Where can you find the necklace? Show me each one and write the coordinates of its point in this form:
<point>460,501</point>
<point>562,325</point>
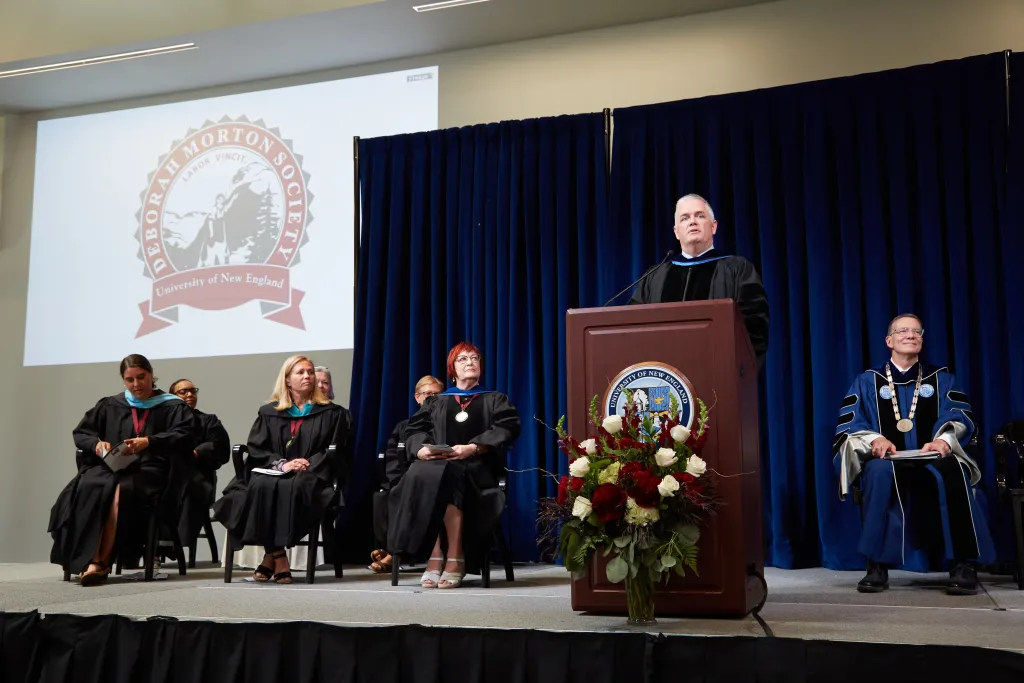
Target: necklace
<point>904,424</point>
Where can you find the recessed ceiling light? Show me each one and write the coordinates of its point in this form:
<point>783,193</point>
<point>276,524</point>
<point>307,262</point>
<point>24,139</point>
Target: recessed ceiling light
<point>92,61</point>
<point>445,5</point>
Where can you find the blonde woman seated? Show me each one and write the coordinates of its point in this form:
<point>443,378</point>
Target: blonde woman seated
<point>291,435</point>
<point>428,508</point>
<point>100,505</point>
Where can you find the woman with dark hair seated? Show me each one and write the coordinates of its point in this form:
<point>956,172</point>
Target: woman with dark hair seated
<point>440,489</point>
<point>211,449</point>
<point>396,465</point>
<point>102,505</point>
<point>291,436</point>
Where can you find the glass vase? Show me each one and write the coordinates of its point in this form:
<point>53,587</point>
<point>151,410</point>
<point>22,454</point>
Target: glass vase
<point>640,598</point>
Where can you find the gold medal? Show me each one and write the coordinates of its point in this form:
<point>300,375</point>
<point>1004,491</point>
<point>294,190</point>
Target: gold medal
<point>461,416</point>
<point>905,425</point>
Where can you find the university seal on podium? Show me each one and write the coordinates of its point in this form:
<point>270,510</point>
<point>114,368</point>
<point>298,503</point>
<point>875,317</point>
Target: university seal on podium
<point>653,385</point>
<point>222,220</point>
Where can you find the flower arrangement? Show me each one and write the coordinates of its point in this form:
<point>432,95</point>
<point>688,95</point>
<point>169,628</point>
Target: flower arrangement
<point>639,491</point>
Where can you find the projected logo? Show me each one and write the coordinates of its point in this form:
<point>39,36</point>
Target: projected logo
<point>221,224</point>
<point>652,385</point>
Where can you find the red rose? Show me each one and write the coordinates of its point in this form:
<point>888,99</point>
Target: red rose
<point>563,490</point>
<point>643,488</point>
<point>629,470</point>
<point>684,477</point>
<point>626,442</point>
<point>609,502</point>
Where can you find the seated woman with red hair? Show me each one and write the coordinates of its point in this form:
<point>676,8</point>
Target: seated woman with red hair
<point>439,490</point>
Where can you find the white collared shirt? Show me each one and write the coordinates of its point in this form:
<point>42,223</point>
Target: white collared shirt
<point>698,255</point>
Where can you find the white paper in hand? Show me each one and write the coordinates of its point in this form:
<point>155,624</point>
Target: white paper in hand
<point>263,470</point>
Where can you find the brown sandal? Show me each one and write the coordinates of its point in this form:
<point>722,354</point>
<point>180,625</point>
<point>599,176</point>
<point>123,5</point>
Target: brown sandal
<point>379,555</point>
<point>88,578</point>
<point>382,565</point>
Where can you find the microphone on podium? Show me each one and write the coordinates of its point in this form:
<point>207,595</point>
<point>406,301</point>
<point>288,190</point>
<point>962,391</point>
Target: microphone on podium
<point>667,256</point>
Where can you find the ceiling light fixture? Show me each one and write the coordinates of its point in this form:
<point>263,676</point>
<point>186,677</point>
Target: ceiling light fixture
<point>448,4</point>
<point>92,61</point>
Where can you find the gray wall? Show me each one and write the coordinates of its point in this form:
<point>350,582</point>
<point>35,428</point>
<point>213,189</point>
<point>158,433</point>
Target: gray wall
<point>754,47</point>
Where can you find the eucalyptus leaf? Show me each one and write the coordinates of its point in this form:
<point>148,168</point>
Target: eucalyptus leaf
<point>629,553</point>
<point>623,541</point>
<point>678,569</point>
<point>617,570</point>
<point>633,568</point>
<point>668,561</point>
<point>687,534</point>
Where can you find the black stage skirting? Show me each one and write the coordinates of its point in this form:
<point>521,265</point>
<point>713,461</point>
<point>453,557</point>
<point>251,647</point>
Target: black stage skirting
<point>113,649</point>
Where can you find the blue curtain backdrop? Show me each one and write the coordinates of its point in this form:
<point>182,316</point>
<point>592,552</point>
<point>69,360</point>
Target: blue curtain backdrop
<point>856,199</point>
<point>486,233</point>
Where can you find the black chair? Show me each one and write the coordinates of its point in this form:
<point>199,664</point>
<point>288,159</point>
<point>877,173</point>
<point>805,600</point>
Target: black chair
<point>1009,444</point>
<point>210,536</point>
<point>170,499</point>
<point>331,555</point>
<point>380,503</point>
<point>495,500</point>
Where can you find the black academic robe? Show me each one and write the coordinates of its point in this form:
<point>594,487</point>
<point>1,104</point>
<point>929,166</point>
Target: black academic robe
<point>212,449</point>
<point>77,517</point>
<point>416,505</point>
<point>278,511</point>
<point>731,277</point>
<point>396,463</point>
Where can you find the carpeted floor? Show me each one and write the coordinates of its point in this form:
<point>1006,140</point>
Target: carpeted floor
<point>811,603</point>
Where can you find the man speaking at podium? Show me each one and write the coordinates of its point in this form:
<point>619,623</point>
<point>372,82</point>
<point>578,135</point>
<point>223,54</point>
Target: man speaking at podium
<point>699,272</point>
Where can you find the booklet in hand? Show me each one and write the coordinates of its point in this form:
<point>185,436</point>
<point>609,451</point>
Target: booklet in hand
<point>914,455</point>
<point>441,448</point>
<point>118,457</point>
<point>265,470</point>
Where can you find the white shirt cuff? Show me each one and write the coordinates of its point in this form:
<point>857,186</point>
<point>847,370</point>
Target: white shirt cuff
<point>948,438</point>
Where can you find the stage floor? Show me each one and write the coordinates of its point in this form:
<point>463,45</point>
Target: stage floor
<point>809,604</point>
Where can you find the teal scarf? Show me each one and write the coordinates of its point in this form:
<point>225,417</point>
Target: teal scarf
<point>295,412</point>
<point>148,403</point>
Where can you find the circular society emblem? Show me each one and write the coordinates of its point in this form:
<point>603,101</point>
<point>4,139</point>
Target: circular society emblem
<point>222,220</point>
<point>652,385</point>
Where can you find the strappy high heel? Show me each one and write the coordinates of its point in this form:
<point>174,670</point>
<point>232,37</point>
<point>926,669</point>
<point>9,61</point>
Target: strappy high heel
<point>281,577</point>
<point>431,577</point>
<point>454,580</point>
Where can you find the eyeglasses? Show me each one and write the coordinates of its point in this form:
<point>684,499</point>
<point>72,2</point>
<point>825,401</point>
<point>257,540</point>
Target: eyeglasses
<point>427,394</point>
<point>185,392</point>
<point>908,332</point>
<point>463,360</point>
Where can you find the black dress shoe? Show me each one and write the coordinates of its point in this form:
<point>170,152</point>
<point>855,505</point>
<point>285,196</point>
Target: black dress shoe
<point>963,580</point>
<point>876,580</point>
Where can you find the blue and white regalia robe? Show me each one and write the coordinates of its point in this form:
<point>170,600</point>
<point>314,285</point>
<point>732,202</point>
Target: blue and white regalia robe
<point>916,514</point>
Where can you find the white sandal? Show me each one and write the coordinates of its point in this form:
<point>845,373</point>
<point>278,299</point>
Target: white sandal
<point>431,577</point>
<point>454,580</point>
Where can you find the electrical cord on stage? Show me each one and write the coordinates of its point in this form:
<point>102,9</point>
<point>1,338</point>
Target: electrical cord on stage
<point>756,612</point>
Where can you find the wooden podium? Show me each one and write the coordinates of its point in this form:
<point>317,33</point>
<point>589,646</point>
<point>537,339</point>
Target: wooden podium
<point>708,344</point>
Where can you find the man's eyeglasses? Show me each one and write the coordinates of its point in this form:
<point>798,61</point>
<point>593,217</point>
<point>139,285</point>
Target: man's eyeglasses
<point>191,391</point>
<point>462,360</point>
<point>908,332</point>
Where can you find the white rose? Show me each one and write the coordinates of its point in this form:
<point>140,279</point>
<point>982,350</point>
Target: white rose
<point>581,507</point>
<point>612,424</point>
<point>696,466</point>
<point>668,486</point>
<point>579,467</point>
<point>590,446</point>
<point>665,457</point>
<point>679,433</point>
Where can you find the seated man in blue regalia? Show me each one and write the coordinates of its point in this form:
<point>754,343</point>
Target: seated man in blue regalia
<point>918,513</point>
